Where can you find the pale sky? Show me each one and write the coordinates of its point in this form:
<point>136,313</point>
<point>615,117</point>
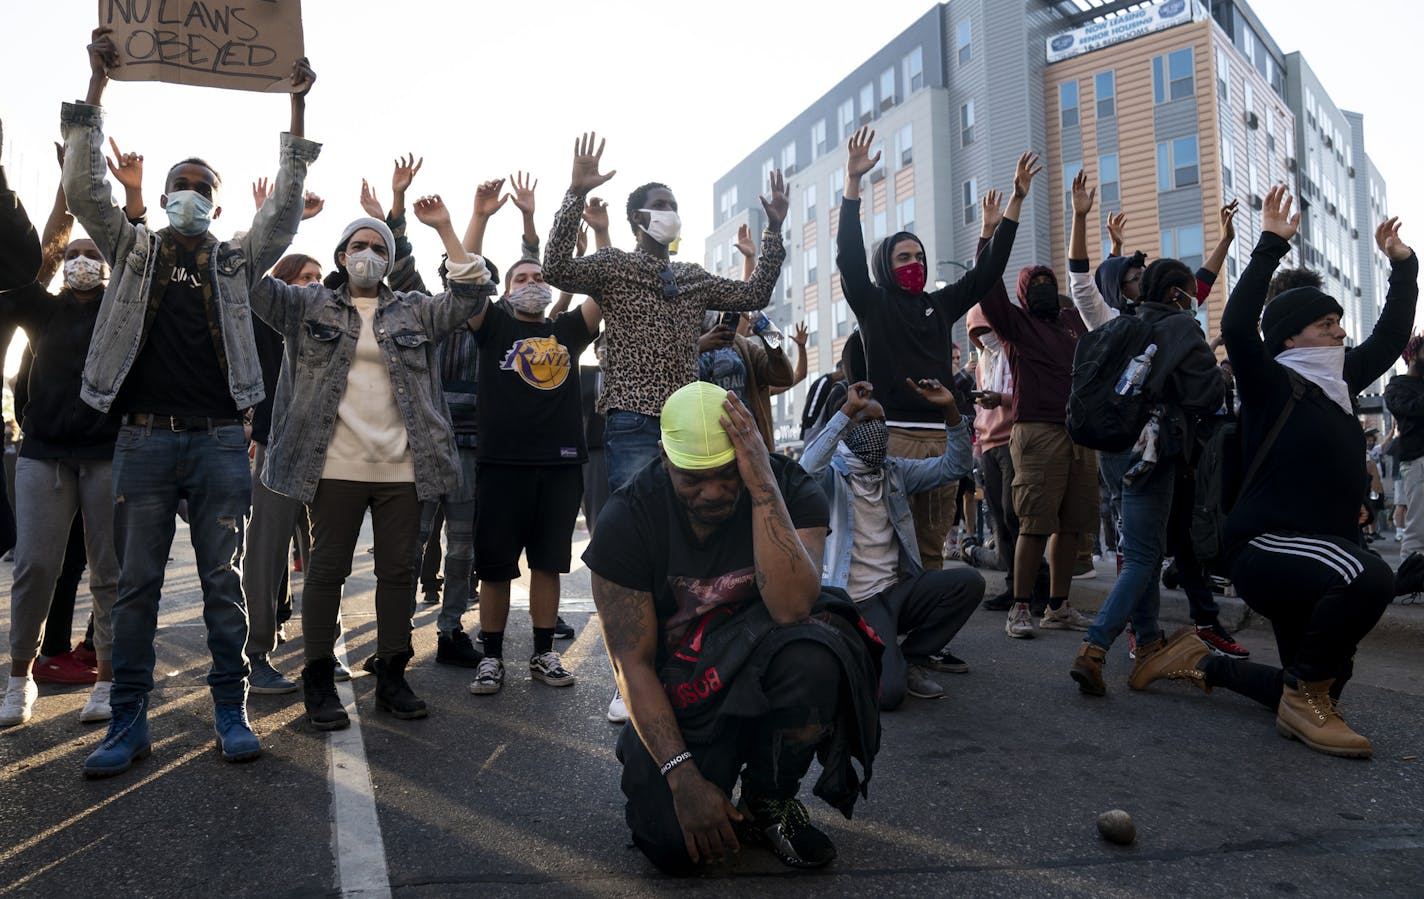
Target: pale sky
<point>682,91</point>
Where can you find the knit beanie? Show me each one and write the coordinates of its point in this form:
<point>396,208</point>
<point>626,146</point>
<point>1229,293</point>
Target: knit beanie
<point>376,225</point>
<point>1291,311</point>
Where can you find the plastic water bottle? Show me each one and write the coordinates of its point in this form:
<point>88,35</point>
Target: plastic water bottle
<point>1136,372</point>
<point>768,333</point>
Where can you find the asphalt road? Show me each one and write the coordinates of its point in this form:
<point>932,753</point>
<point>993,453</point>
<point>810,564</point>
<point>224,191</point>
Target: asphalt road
<point>992,790</point>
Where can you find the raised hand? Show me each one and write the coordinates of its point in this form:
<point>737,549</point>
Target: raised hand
<point>303,77</point>
<point>524,192</point>
<point>1387,238</point>
<point>753,458</point>
<point>261,190</point>
<point>779,203</point>
<point>745,245</point>
<point>1276,213</point>
<point>859,162</point>
<point>1228,223</point>
<point>103,54</point>
<point>311,205</point>
<point>935,392</point>
<point>588,152</point>
<point>858,396</point>
<point>404,171</point>
<point>431,211</point>
<point>1083,195</point>
<point>127,168</point>
<point>1117,227</point>
<point>595,214</point>
<point>581,241</point>
<point>991,208</point>
<point>369,203</point>
<point>800,335</point>
<point>1028,166</point>
<point>487,198</point>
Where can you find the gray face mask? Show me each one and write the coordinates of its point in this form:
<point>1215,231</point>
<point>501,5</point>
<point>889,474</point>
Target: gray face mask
<point>869,441</point>
<point>189,212</point>
<point>531,299</point>
<point>365,269</point>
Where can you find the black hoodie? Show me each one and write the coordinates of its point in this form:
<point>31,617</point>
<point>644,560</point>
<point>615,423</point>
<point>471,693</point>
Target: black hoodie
<point>905,335</point>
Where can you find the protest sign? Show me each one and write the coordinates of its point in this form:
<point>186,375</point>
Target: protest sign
<point>247,45</point>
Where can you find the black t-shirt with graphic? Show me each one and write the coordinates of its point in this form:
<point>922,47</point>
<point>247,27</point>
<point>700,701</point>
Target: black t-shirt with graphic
<point>644,542</point>
<point>529,409</point>
<point>725,368</point>
<point>177,371</point>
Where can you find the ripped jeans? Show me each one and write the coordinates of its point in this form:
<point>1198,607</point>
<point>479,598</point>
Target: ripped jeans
<point>153,469</point>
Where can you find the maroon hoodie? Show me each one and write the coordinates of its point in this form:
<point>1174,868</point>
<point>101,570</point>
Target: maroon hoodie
<point>1040,351</point>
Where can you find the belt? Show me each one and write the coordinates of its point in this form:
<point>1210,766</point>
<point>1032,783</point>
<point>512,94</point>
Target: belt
<point>178,422</point>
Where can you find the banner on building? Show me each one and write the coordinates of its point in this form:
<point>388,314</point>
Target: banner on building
<point>1125,27</point>
<point>248,45</point>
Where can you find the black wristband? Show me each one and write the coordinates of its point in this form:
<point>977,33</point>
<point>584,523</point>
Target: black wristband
<point>684,756</point>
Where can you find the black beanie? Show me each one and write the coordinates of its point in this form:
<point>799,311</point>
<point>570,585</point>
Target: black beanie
<point>1291,311</point>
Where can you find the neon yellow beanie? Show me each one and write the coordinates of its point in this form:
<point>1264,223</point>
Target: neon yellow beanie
<point>693,436</point>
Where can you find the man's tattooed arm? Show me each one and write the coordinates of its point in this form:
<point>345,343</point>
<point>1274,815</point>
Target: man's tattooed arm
<point>630,633</point>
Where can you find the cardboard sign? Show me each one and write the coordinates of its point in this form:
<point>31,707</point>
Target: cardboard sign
<point>246,45</point>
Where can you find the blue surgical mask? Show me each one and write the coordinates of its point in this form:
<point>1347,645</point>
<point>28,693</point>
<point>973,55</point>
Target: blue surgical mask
<point>189,212</point>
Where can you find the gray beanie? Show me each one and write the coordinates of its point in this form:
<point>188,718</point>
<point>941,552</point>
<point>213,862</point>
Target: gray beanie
<point>365,222</point>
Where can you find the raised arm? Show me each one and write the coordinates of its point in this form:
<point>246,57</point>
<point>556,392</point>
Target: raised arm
<point>561,268</point>
<point>1240,320</point>
<point>1223,245</point>
<point>57,230</point>
<point>85,187</point>
<point>1001,314</point>
<point>1376,354</point>
<point>523,197</point>
<point>276,222</point>
<point>787,573</point>
<point>565,299</point>
<point>850,237</point>
<point>755,291</point>
<point>958,298</point>
<point>1117,226</point>
<point>403,172</point>
<point>595,215</point>
<point>818,455</point>
<point>747,247</point>
<point>957,458</point>
<point>798,336</point>
<point>1082,288</point>
<point>470,284</point>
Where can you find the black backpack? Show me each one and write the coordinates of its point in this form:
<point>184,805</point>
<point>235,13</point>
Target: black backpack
<point>1098,416</point>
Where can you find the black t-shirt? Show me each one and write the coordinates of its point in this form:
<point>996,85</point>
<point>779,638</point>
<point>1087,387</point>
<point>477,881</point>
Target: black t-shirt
<point>529,409</point>
<point>177,371</point>
<point>644,542</point>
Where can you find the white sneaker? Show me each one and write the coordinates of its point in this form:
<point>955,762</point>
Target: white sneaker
<point>1020,623</point>
<point>1065,618</point>
<point>19,701</point>
<point>97,708</point>
<point>617,709</point>
<point>1399,536</point>
<point>489,677</point>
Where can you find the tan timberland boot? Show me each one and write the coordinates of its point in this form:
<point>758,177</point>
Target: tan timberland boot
<point>1176,659</point>
<point>1308,714</point>
<point>1088,669</point>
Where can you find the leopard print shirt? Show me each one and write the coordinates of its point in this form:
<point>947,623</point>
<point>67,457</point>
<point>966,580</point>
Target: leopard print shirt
<point>650,341</point>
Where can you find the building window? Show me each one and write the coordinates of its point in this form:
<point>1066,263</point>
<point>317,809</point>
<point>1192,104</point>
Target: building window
<point>1270,129</point>
<point>962,42</point>
<point>877,225</point>
<point>842,318</point>
<point>966,124</point>
<point>818,140</point>
<point>905,146</point>
<point>1223,77</point>
<point>1184,244</point>
<point>727,203</point>
<point>810,261</point>
<point>1068,103</point>
<point>914,70</point>
<point>1177,163</point>
<point>810,198</point>
<point>717,259</point>
<point>905,211</point>
<point>970,196</point>
<point>1172,75</point>
<point>813,327</point>
<point>788,158</point>
<point>837,188</point>
<point>887,88</point>
<point>867,103</point>
<point>1109,186</point>
<point>847,118</point>
<point>1105,88</point>
<point>1228,162</point>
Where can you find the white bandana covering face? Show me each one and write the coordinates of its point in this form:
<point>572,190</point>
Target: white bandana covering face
<point>1325,367</point>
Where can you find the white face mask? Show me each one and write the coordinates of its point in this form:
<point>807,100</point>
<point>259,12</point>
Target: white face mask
<point>189,212</point>
<point>663,226</point>
<point>365,269</point>
<point>991,342</point>
<point>1325,365</point>
<point>531,298</point>
<point>83,274</point>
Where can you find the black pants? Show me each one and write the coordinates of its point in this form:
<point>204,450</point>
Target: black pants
<point>771,753</point>
<point>928,609</point>
<point>1322,595</point>
<point>998,467</point>
<point>1200,599</point>
<point>59,626</point>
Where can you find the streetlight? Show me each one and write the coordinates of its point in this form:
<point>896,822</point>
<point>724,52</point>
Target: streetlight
<point>940,283</point>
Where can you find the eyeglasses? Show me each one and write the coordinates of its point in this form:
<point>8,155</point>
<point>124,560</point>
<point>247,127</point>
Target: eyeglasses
<point>669,285</point>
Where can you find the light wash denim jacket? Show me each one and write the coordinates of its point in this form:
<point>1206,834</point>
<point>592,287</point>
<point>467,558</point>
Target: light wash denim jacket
<point>133,251</point>
<point>903,478</point>
<point>320,327</point>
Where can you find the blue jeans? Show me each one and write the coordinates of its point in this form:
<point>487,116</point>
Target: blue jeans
<point>630,441</point>
<point>1136,595</point>
<point>153,470</point>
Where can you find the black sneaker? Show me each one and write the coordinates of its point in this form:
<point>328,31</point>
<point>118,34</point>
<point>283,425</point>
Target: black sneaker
<point>563,630</point>
<point>456,649</point>
<point>783,826</point>
<point>1001,603</point>
<point>946,661</point>
<point>1409,579</point>
<point>431,597</point>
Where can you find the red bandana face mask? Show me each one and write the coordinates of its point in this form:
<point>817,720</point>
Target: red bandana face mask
<point>911,277</point>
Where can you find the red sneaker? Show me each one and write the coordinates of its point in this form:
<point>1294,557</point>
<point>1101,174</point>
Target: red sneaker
<point>64,669</point>
<point>85,655</point>
<point>1219,640</point>
<point>297,564</point>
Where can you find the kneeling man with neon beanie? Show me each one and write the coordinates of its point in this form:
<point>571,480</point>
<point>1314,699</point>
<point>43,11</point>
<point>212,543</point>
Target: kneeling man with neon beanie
<point>732,660</point>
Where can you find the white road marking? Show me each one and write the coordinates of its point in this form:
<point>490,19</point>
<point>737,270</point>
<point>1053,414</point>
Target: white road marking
<point>355,829</point>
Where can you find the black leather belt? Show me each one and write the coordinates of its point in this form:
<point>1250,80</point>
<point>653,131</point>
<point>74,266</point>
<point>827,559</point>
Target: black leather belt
<point>178,422</point>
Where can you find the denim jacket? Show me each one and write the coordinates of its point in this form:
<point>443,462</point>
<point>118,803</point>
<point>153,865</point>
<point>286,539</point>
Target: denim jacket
<point>903,478</point>
<point>320,327</point>
<point>133,252</point>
